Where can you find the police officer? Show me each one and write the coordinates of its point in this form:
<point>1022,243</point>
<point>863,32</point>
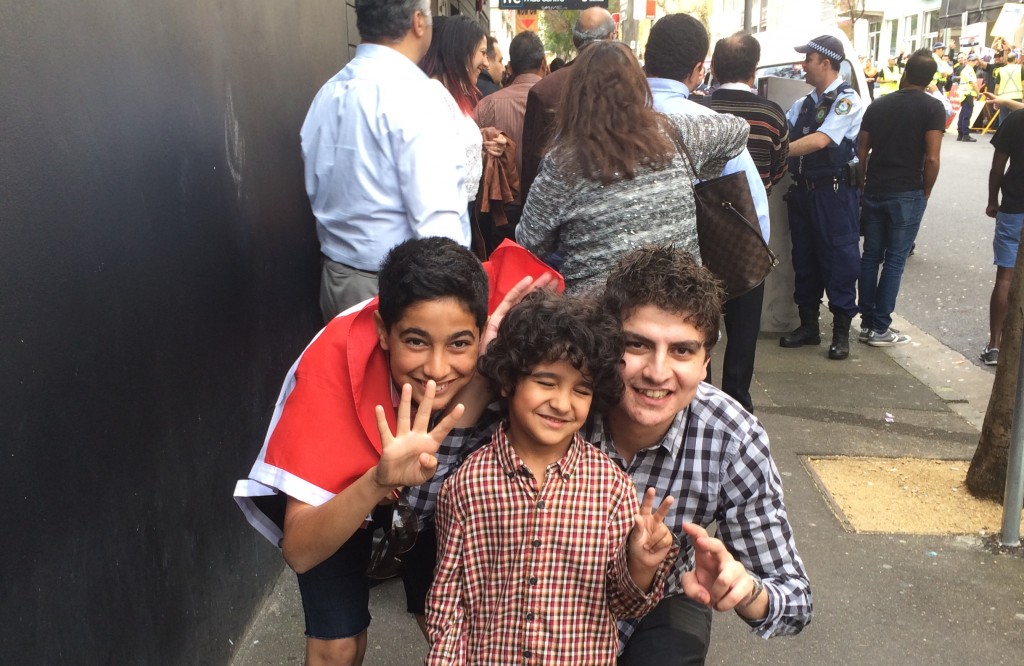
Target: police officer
<point>823,201</point>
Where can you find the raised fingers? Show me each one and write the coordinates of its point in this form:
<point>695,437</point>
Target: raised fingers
<point>446,424</point>
<point>382,426</point>
<point>404,408</point>
<point>422,421</point>
<point>663,508</point>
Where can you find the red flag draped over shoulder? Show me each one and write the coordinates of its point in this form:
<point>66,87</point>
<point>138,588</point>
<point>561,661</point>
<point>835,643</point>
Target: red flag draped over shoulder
<point>323,434</point>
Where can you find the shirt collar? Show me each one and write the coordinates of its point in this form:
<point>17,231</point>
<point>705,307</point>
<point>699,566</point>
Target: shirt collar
<point>511,464</point>
<point>390,57</point>
<point>832,86</point>
<point>736,85</point>
<point>523,79</point>
<point>668,85</point>
<point>598,434</point>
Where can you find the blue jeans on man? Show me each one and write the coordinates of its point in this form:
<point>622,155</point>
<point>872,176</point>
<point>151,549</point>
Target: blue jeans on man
<point>890,222</point>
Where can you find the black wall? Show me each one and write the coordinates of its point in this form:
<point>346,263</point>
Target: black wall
<point>158,275</point>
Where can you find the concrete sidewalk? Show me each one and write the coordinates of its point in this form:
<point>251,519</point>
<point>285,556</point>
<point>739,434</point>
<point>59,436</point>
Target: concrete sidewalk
<point>878,598</point>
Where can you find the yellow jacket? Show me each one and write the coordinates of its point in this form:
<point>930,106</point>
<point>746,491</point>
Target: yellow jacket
<point>968,83</point>
<point>1008,81</point>
<point>888,79</point>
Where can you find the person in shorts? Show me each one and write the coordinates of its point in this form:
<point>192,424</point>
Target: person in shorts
<point>329,455</point>
<point>1008,210</point>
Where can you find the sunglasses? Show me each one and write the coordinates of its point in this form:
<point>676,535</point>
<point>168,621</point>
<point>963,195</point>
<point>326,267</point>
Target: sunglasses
<point>397,537</point>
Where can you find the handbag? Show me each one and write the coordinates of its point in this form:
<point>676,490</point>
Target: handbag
<point>731,246</point>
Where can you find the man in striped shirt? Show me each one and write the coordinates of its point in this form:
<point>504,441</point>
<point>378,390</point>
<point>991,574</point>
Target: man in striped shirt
<point>734,63</point>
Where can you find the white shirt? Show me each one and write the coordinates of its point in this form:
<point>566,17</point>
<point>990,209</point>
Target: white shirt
<point>383,163</point>
<point>674,97</point>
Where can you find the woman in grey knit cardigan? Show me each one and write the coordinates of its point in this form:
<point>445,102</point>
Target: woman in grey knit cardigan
<point>613,179</point>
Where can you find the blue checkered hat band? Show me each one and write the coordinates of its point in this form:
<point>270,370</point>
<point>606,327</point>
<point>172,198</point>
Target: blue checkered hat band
<point>828,53</point>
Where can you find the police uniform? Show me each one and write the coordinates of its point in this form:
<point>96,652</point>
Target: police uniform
<point>823,206</point>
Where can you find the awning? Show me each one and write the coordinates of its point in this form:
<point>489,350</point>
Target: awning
<point>977,11</point>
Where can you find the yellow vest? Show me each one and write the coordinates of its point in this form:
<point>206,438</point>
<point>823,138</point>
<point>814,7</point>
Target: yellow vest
<point>942,70</point>
<point>968,85</point>
<point>1009,81</point>
<point>888,79</point>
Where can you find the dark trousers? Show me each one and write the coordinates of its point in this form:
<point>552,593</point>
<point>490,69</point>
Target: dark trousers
<point>676,632</point>
<point>963,123</point>
<point>742,324</point>
<point>825,230</point>
<point>493,234</point>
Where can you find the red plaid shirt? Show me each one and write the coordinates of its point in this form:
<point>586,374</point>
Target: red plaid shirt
<point>534,575</point>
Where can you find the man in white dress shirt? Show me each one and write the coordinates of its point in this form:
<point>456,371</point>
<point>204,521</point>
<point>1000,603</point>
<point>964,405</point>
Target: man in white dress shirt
<point>381,158</point>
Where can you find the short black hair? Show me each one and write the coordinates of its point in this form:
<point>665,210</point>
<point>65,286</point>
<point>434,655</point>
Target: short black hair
<point>526,52</point>
<point>676,44</point>
<point>736,57</point>
<point>920,68</point>
<point>547,327</point>
<point>429,269</point>
<point>387,20</point>
<point>669,279</point>
<point>491,41</point>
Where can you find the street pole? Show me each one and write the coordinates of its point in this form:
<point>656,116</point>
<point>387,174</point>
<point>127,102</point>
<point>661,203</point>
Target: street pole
<point>748,9</point>
<point>1013,497</point>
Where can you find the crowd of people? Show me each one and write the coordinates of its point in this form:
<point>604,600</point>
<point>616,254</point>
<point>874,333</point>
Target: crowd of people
<point>526,431</point>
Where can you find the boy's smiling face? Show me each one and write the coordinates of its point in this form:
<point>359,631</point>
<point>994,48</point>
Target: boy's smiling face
<point>548,407</point>
<point>436,339</point>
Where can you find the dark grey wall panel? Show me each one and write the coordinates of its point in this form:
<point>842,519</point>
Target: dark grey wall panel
<point>159,274</point>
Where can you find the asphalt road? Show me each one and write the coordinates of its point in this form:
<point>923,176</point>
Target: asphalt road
<point>948,281</point>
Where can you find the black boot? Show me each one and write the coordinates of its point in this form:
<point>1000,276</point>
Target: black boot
<point>807,333</point>
<point>840,348</point>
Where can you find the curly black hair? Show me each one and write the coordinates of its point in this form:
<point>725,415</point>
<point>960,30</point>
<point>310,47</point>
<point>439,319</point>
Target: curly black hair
<point>669,279</point>
<point>547,327</point>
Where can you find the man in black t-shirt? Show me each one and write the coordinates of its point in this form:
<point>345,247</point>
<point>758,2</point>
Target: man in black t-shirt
<point>898,148</point>
<point>1009,213</point>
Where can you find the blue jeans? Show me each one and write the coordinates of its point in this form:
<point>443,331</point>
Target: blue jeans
<point>890,222</point>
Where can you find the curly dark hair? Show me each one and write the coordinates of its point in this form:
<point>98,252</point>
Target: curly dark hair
<point>547,327</point>
<point>669,279</point>
<point>606,121</point>
<point>428,269</point>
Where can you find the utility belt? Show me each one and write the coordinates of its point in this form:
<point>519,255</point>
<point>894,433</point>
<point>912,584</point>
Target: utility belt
<point>846,176</point>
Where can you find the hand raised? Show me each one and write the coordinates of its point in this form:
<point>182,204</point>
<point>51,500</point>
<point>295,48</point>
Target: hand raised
<point>717,579</point>
<point>407,456</point>
<point>512,297</point>
<point>650,539</point>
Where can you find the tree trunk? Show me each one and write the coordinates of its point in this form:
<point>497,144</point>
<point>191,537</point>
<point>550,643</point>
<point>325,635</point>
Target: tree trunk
<point>987,475</point>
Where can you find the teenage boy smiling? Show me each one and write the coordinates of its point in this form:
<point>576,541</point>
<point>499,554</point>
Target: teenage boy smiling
<point>327,450</point>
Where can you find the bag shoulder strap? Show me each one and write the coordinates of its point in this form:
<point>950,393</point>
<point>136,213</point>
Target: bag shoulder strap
<point>677,139</point>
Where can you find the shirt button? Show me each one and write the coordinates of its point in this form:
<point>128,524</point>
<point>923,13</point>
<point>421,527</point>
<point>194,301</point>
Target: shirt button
<point>533,580</point>
<point>540,504</point>
<point>511,475</point>
<point>529,617</point>
<point>536,543</point>
<point>527,654</point>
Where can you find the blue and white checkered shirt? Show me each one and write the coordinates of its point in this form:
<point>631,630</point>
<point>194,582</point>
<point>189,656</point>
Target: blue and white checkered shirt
<point>715,460</point>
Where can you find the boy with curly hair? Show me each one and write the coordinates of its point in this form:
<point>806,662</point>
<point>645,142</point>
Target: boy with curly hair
<point>543,543</point>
